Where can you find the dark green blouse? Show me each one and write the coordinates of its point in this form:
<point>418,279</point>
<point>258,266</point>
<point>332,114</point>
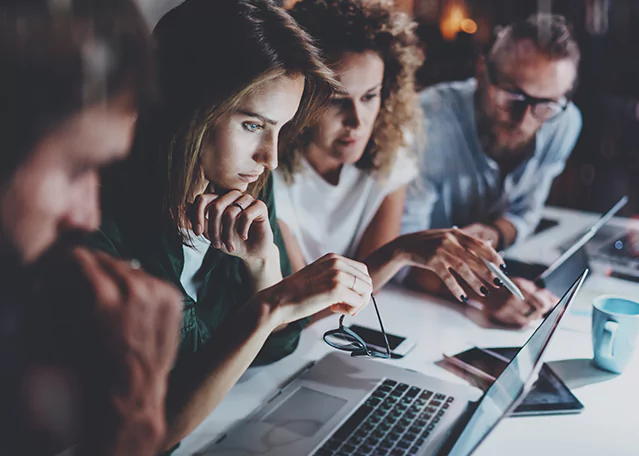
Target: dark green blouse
<point>225,284</point>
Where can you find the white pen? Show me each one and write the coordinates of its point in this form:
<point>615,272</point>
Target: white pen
<point>509,284</point>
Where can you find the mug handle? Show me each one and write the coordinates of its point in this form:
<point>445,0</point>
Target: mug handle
<point>606,349</point>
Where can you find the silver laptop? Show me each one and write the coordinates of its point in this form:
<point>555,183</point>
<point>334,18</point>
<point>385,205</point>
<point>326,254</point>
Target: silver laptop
<point>354,406</point>
<point>574,259</point>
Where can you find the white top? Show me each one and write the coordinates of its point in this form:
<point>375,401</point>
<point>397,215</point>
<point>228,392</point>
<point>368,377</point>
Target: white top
<point>193,259</point>
<point>327,218</point>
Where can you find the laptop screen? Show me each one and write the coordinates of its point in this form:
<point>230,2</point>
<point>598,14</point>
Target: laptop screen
<point>509,386</point>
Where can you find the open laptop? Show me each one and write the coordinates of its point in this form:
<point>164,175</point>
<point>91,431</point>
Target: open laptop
<point>355,406</point>
<point>565,269</point>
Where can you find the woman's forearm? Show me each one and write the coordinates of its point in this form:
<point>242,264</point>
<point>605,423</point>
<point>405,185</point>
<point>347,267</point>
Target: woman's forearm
<point>385,262</point>
<point>204,379</point>
<point>264,272</point>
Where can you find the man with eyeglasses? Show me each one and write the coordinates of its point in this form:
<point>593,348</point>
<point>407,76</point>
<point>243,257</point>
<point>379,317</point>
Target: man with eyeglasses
<point>495,143</point>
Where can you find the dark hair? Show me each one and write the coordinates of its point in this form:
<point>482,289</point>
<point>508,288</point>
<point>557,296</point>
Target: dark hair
<point>57,58</point>
<point>211,54</point>
<point>341,26</point>
<point>550,33</point>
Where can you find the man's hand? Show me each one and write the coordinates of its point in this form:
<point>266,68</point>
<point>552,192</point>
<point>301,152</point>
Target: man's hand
<point>510,310</point>
<point>484,232</point>
<point>121,332</point>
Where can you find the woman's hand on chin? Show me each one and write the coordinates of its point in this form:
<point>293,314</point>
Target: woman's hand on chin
<point>235,223</point>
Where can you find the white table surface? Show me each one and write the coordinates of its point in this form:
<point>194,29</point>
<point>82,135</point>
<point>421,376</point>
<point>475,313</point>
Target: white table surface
<point>609,424</point>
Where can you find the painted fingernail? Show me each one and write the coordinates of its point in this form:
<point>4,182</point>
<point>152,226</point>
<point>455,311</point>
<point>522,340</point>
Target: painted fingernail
<point>484,291</point>
<point>464,299</point>
<point>217,245</point>
<point>230,247</point>
<point>504,268</point>
<point>498,282</point>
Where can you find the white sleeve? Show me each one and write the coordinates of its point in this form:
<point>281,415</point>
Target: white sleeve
<point>404,172</point>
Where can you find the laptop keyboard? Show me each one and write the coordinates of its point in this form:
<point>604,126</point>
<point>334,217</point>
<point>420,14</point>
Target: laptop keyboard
<point>396,419</point>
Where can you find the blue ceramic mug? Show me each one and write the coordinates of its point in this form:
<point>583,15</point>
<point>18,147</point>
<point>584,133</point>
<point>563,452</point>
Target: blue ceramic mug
<point>615,329</point>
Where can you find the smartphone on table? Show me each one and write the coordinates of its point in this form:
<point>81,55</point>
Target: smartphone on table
<point>399,345</point>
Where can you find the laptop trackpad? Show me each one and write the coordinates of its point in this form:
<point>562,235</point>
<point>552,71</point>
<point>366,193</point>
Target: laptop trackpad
<point>305,412</point>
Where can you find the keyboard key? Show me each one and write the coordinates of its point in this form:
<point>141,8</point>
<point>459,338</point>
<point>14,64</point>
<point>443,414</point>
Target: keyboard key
<point>430,427</point>
<point>332,444</point>
<point>397,452</point>
<point>415,429</point>
<point>355,440</point>
<point>450,400</point>
<point>402,387</point>
<point>435,403</point>
<point>373,401</point>
<point>348,448</point>
<point>389,382</point>
<point>436,420</point>
<point>410,437</point>
<point>364,450</point>
<point>393,436</point>
<point>403,444</point>
<point>426,395</point>
<point>440,397</point>
<point>405,422</point>
<point>422,421</point>
<point>351,424</point>
<point>413,391</point>
<point>323,452</point>
<point>386,444</point>
<point>446,405</point>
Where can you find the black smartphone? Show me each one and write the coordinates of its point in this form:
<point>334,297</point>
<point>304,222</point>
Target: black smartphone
<point>399,345</point>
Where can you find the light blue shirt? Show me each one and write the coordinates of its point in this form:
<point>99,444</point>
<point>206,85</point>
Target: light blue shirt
<point>459,184</point>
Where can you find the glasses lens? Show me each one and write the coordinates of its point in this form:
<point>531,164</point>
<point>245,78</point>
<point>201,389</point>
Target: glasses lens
<point>506,100</point>
<point>343,341</point>
<point>546,110</point>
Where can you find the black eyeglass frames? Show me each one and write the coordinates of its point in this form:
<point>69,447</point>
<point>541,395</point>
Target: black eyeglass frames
<point>345,339</point>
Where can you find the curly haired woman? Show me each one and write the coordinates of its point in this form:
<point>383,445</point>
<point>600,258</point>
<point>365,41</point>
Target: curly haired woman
<point>342,183</point>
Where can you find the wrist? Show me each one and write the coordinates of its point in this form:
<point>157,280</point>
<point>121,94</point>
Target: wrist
<point>400,251</point>
<point>269,259</point>
<point>268,305</point>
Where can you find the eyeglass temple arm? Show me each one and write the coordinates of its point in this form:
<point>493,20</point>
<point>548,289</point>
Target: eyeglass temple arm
<point>381,325</point>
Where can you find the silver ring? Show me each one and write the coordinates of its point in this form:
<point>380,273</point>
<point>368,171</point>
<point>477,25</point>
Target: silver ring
<point>238,205</point>
<point>135,264</point>
<point>530,311</point>
<point>354,283</point>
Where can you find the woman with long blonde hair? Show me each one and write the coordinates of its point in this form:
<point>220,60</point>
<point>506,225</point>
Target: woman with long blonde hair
<point>194,205</point>
<point>342,183</point>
